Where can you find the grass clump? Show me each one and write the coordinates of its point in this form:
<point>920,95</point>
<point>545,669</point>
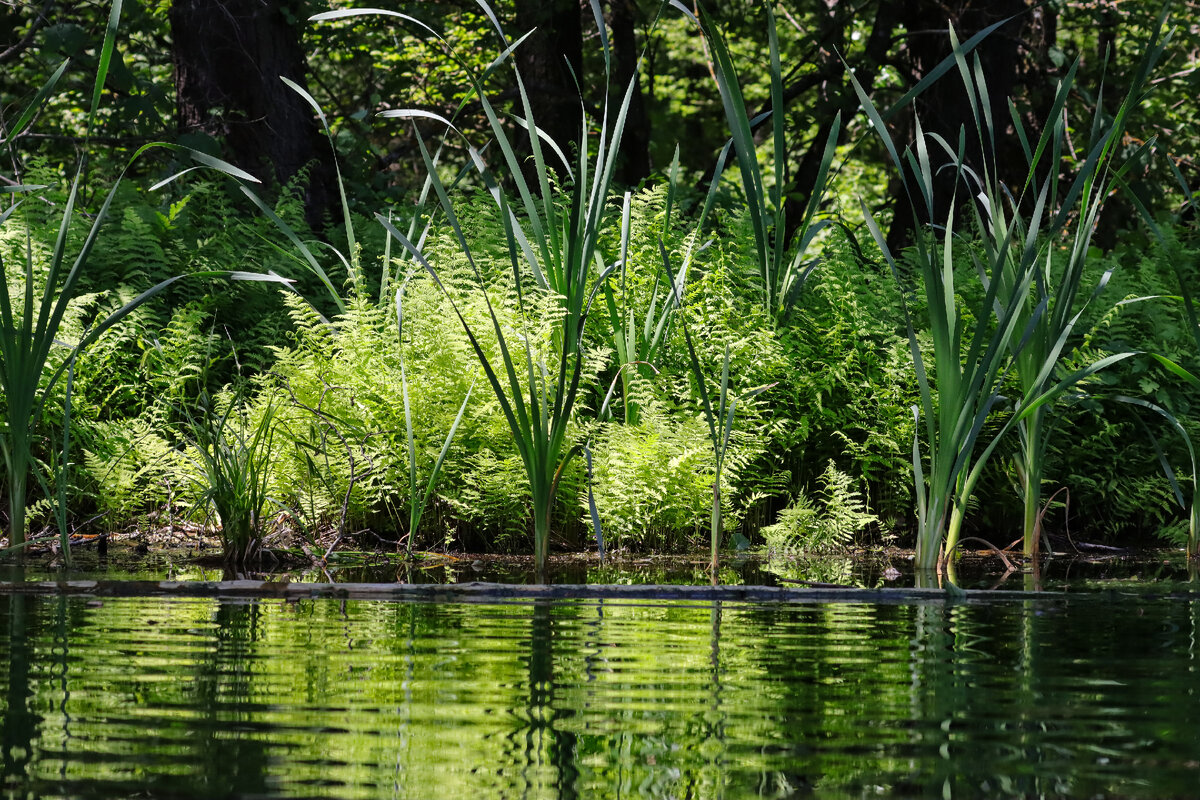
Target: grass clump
<point>233,455</point>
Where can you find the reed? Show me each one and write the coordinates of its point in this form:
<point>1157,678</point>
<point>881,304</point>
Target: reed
<point>1189,506</point>
<point>418,502</point>
<point>783,266</point>
<point>234,453</point>
<point>552,240</point>
<point>720,416</point>
<point>1184,277</point>
<point>1031,296</point>
<point>30,320</point>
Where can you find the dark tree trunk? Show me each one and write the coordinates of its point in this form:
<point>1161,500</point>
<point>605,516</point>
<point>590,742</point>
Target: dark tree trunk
<point>944,107</point>
<point>836,96</point>
<point>546,60</point>
<point>633,166</point>
<point>229,57</point>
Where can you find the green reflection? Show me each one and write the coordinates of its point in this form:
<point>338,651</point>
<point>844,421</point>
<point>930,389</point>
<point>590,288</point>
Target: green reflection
<point>20,726</point>
<point>200,698</point>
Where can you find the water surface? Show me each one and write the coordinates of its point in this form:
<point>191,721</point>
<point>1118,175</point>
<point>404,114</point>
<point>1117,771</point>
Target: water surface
<point>199,698</point>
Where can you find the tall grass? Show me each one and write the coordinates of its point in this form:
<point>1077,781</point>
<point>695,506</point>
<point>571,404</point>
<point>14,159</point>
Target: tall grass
<point>418,502</point>
<point>552,240</point>
<point>783,270</point>
<point>1187,296</point>
<point>31,319</point>
<point>719,412</point>
<point>1192,507</point>
<point>638,335</point>
<point>1055,303</point>
<point>234,460</point>
<point>1029,304</point>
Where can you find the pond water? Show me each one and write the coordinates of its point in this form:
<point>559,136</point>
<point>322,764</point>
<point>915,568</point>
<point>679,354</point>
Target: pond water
<point>1087,695</point>
<point>877,569</point>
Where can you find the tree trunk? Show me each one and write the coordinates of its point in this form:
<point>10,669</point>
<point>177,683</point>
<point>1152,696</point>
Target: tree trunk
<point>944,107</point>
<point>836,96</point>
<point>230,56</point>
<point>546,60</point>
<point>633,165</point>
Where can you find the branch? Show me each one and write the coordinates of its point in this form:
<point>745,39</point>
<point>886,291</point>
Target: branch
<point>131,141</point>
<point>40,20</point>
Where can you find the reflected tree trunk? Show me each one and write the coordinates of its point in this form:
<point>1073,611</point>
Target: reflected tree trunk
<point>19,728</point>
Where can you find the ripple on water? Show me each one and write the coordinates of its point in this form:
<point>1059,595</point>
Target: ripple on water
<point>321,698</point>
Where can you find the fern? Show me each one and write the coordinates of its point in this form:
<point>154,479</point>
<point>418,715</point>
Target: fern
<point>824,522</point>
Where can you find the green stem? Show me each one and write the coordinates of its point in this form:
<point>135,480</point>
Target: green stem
<point>541,534</point>
<point>16,507</point>
<point>930,538</point>
<point>953,530</point>
<point>17,461</point>
<point>1030,524</point>
<point>1194,531</point>
<point>1031,480</point>
<point>716,521</point>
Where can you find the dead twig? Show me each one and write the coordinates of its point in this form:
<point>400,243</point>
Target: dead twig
<point>1008,564</point>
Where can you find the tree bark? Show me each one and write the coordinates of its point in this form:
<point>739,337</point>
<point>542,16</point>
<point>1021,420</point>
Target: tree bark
<point>836,97</point>
<point>633,165</point>
<point>546,61</point>
<point>229,58</point>
<point>944,108</point>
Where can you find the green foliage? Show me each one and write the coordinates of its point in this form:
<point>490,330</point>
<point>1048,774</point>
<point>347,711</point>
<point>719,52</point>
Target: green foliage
<point>552,237</point>
<point>29,323</point>
<point>782,274</point>
<point>1031,285</point>
<point>653,479</point>
<point>848,382</point>
<point>643,296</point>
<point>343,438</point>
<point>418,502</point>
<point>824,521</point>
<point>234,454</point>
<point>134,469</point>
<point>509,273</point>
<point>1115,445</point>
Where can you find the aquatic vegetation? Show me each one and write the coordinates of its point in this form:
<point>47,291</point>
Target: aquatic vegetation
<point>30,324</point>
<point>233,457</point>
<point>705,287</point>
<point>1028,308</point>
<point>783,265</point>
<point>554,244</point>
<point>825,521</point>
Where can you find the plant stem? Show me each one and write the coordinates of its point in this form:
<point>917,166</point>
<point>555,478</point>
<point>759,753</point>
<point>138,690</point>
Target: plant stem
<point>1194,530</point>
<point>716,521</point>
<point>16,505</point>
<point>929,538</point>
<point>1032,462</point>
<point>954,529</point>
<point>541,534</point>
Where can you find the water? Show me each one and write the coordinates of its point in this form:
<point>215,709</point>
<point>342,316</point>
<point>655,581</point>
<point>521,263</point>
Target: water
<point>1063,572</point>
<point>180,698</point>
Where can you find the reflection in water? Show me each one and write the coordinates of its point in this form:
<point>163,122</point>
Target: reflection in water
<point>203,698</point>
<point>20,723</point>
<point>231,758</point>
<point>547,748</point>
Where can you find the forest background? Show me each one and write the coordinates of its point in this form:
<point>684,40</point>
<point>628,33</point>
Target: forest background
<point>339,416</point>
